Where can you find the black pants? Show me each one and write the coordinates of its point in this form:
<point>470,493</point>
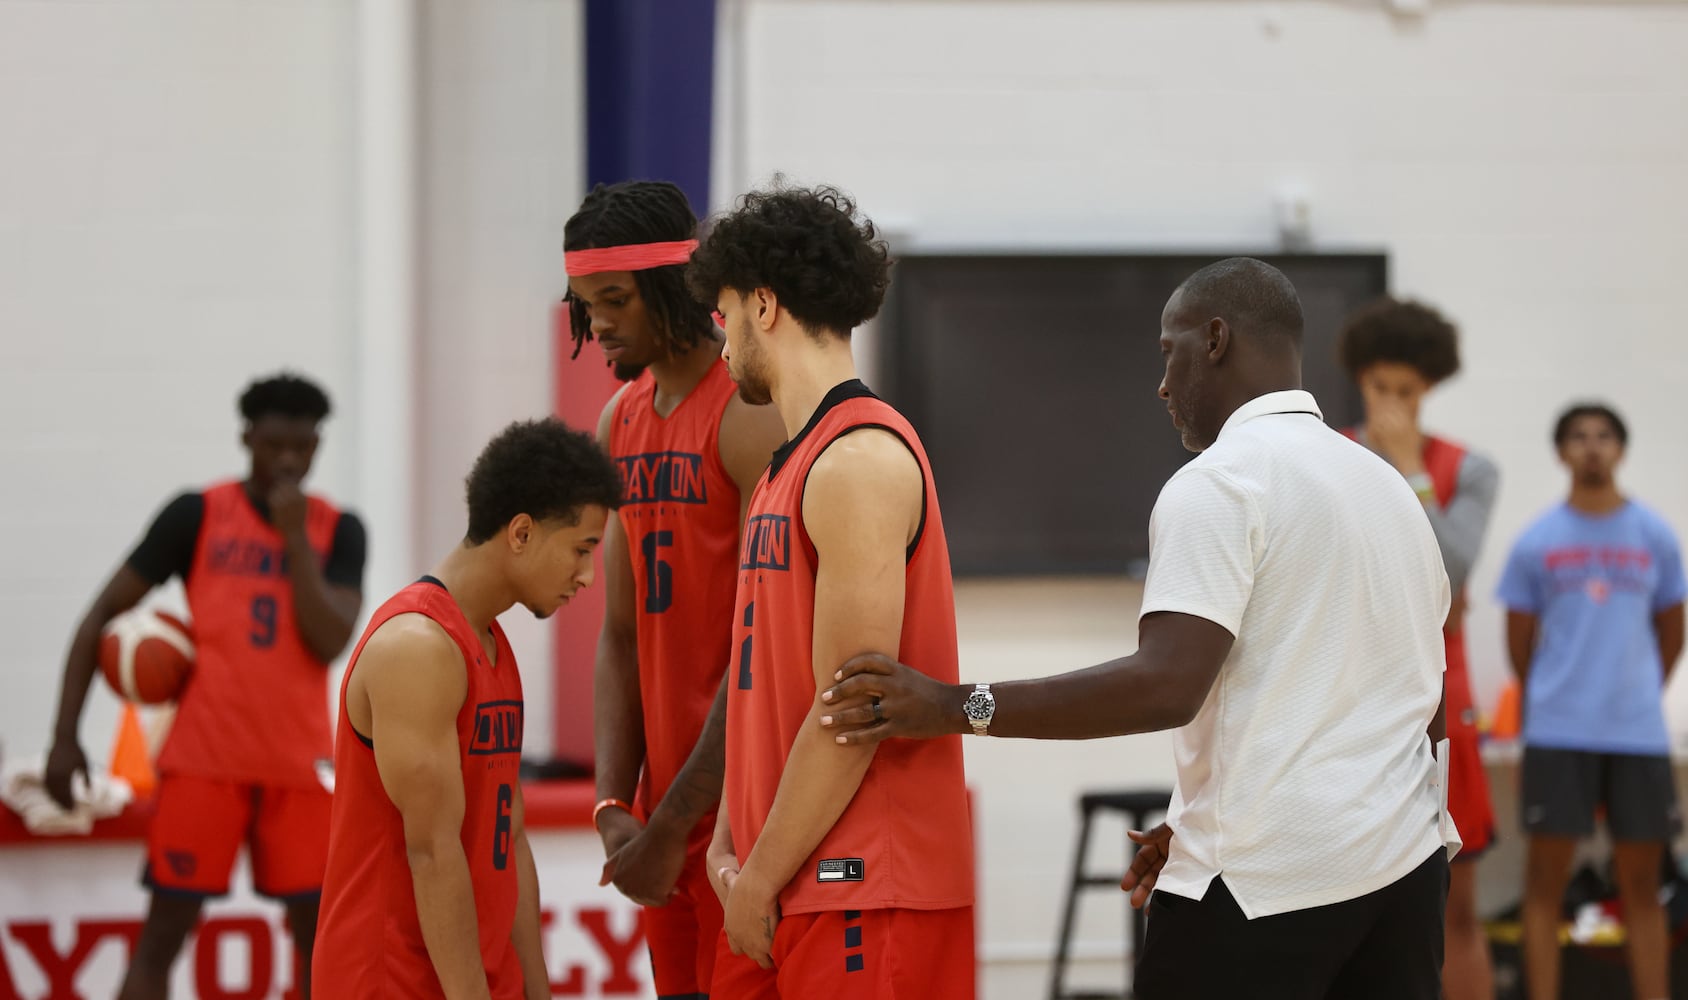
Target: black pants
<point>1386,945</point>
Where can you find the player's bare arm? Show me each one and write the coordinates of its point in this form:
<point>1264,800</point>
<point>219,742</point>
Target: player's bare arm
<point>65,758</point>
<point>861,509</point>
<point>525,934</point>
<point>1667,626</point>
<point>1160,686</point>
<point>1521,642</point>
<point>326,613</point>
<point>405,695</point>
<point>649,866</point>
<point>617,718</point>
<point>721,857</point>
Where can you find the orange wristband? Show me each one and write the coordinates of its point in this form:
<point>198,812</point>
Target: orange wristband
<point>609,804</point>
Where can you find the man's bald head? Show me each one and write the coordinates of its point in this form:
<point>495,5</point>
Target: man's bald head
<point>1253,298</point>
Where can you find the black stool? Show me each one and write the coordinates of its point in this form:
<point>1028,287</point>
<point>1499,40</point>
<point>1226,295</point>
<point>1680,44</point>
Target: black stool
<point>1137,805</point>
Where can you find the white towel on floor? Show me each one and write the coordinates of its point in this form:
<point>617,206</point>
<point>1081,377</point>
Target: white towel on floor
<point>23,791</point>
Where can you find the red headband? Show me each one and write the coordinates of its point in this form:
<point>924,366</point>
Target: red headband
<point>633,257</point>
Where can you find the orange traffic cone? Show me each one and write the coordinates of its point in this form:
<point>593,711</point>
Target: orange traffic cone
<point>129,758</point>
<point>1507,715</point>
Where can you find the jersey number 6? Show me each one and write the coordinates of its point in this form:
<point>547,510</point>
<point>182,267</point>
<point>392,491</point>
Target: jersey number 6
<point>659,576</point>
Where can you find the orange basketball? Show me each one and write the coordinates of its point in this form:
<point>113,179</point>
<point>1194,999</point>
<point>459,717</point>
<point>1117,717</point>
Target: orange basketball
<point>147,656</point>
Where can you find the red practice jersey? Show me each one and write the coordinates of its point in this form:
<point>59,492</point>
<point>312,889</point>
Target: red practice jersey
<point>1468,782</point>
<point>905,840</point>
<point>256,708</point>
<point>680,513</point>
<point>369,940</point>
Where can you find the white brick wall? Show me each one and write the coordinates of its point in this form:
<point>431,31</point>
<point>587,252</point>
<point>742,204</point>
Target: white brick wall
<point>503,168</point>
<point>177,214</point>
<point>175,217</point>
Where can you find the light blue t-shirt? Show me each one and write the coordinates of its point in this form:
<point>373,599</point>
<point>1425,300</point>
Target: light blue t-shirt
<point>1594,584</point>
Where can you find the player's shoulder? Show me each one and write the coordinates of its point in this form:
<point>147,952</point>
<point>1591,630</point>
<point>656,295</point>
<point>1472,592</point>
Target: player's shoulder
<point>865,454</point>
<point>412,641</point>
<point>1476,465</point>
<point>749,433</point>
<point>1653,523</point>
<point>188,501</point>
<point>1547,527</point>
<point>606,417</point>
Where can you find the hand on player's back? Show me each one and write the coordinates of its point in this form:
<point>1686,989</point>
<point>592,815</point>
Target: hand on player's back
<point>910,704</point>
<point>646,868</point>
<point>64,761</point>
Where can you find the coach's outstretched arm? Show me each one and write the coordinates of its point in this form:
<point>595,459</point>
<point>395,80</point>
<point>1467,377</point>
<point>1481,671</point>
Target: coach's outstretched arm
<point>1203,535</point>
<point>861,509</point>
<point>416,681</point>
<point>1161,686</point>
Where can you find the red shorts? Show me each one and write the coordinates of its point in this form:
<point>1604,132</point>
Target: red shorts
<point>683,935</point>
<point>859,955</point>
<point>1468,784</point>
<point>201,823</point>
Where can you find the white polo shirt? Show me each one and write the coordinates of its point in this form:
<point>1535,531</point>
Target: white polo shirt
<point>1306,777</point>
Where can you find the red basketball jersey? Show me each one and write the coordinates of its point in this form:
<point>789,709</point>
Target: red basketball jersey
<point>256,709</point>
<point>681,516</point>
<point>905,840</point>
<point>369,940</point>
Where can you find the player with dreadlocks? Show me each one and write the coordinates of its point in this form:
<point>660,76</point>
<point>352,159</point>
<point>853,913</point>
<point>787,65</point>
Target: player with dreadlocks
<point>690,451</point>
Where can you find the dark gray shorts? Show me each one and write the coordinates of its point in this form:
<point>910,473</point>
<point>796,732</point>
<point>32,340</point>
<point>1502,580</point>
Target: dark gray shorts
<point>1563,788</point>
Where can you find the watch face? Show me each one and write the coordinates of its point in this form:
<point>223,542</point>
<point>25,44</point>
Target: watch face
<point>979,705</point>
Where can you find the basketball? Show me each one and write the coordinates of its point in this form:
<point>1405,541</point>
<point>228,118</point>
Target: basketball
<point>147,656</point>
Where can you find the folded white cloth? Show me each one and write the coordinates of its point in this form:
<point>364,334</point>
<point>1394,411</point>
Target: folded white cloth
<point>23,791</point>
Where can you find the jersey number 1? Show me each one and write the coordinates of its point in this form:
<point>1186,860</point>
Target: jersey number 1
<point>501,829</point>
<point>744,648</point>
<point>659,576</point>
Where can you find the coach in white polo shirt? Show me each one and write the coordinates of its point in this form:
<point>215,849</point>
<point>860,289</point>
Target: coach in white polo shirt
<point>1291,631</point>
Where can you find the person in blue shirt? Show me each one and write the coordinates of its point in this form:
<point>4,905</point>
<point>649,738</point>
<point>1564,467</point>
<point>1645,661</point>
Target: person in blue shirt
<point>1594,596</point>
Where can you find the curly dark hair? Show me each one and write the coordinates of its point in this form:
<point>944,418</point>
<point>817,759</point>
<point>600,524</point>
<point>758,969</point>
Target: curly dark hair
<point>1562,426</point>
<point>828,267</point>
<point>542,469</point>
<point>630,212</point>
<point>1405,332</point>
<point>284,394</point>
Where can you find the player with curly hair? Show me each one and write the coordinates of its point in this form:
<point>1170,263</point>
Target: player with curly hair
<point>431,889</point>
<point>1397,352</point>
<point>843,871</point>
<point>274,581</point>
<point>690,452</point>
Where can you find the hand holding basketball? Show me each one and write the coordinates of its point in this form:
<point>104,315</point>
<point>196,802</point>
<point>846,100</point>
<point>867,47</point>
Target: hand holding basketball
<point>147,656</point>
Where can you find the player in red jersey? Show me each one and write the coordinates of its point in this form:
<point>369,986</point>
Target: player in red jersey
<point>431,889</point>
<point>690,452</point>
<point>845,872</point>
<point>1397,352</point>
<point>273,578</point>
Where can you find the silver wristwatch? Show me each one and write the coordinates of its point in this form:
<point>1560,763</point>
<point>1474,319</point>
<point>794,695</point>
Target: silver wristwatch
<point>980,708</point>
